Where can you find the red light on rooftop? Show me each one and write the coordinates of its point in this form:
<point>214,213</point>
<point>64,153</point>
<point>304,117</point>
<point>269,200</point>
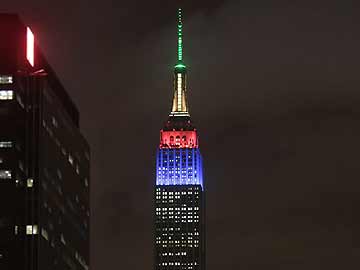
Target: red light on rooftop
<point>30,44</point>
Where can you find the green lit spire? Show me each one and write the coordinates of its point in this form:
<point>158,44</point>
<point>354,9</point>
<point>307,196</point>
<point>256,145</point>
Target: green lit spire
<point>180,63</point>
<point>180,45</point>
<point>180,107</point>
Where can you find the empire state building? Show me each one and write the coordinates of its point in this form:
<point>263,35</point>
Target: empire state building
<point>179,190</point>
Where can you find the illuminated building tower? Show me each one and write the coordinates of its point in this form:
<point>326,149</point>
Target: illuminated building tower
<point>179,192</point>
<point>44,161</point>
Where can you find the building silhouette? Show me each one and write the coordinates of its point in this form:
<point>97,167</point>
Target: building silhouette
<point>179,191</point>
<point>44,161</point>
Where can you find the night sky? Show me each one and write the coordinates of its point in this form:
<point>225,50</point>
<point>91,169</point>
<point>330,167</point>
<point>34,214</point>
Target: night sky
<point>274,89</point>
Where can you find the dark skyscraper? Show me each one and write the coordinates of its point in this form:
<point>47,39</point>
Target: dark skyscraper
<point>179,192</point>
<point>44,161</point>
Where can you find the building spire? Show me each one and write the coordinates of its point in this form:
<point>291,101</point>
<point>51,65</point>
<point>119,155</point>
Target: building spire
<point>180,45</point>
<point>180,107</point>
<point>180,63</point>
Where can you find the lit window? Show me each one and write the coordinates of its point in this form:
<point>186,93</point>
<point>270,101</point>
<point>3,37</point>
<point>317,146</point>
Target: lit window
<point>6,94</point>
<point>31,229</point>
<point>30,183</point>
<point>6,79</point>
<point>17,182</point>
<point>5,174</point>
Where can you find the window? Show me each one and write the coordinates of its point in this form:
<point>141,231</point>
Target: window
<point>6,79</point>
<point>5,144</point>
<point>31,229</point>
<point>5,174</point>
<point>18,183</point>
<point>30,183</point>
<point>6,94</point>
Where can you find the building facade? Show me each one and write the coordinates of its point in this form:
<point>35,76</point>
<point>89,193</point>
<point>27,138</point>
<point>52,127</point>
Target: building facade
<point>44,161</point>
<point>179,191</point>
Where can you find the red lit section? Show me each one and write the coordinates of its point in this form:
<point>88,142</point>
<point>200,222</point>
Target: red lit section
<point>30,45</point>
<point>178,139</point>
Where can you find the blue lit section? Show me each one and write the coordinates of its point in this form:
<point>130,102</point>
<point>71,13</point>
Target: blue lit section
<point>179,167</point>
